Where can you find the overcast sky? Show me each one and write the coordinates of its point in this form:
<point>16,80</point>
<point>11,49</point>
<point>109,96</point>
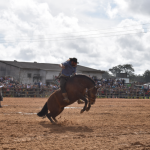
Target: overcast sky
<point>100,33</point>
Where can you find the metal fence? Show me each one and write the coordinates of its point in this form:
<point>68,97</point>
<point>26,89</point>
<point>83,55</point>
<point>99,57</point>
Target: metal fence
<point>101,93</point>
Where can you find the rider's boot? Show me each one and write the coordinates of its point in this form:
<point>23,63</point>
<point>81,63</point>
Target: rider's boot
<point>65,98</point>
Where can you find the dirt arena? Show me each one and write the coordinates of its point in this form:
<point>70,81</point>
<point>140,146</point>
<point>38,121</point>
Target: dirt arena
<point>111,124</point>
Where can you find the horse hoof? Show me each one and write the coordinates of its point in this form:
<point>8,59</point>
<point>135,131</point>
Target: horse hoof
<point>87,109</point>
<point>81,111</point>
<point>54,123</point>
<point>44,117</point>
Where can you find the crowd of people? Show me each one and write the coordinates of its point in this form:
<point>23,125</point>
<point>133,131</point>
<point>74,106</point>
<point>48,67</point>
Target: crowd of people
<point>13,88</point>
<point>123,92</point>
<point>107,88</point>
<point>118,88</point>
<point>113,83</point>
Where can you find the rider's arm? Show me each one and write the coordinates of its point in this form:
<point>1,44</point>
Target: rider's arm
<point>62,66</point>
<point>65,64</point>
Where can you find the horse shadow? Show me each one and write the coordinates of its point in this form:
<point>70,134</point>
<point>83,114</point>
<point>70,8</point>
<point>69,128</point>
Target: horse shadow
<point>62,128</point>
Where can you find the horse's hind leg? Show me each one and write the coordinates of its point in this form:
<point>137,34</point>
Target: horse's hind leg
<point>56,114</point>
<point>49,117</point>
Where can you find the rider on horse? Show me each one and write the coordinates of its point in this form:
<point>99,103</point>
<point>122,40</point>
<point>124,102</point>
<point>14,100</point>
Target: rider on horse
<point>68,69</point>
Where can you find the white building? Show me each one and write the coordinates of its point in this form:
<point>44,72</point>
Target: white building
<point>123,76</point>
<point>31,72</point>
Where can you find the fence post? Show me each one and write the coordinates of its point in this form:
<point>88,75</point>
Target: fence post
<point>36,92</point>
<point>13,91</point>
<point>100,93</point>
<point>127,93</point>
<point>43,94</point>
<point>25,92</point>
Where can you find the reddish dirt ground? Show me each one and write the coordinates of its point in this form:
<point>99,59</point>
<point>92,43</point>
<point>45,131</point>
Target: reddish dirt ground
<point>111,124</point>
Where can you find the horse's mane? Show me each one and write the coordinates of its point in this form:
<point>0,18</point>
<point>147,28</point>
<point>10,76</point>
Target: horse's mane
<point>85,76</point>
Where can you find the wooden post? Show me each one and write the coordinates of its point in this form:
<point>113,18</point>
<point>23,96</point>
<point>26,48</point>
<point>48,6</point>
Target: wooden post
<point>25,92</point>
<point>13,91</point>
<point>100,93</point>
<point>36,92</point>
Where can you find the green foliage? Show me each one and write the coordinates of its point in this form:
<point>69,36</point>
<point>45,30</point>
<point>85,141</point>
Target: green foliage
<point>107,75</point>
<point>146,76</point>
<point>137,78</point>
<point>127,68</point>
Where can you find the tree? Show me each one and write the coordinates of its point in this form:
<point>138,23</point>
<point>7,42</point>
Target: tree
<point>136,78</point>
<point>126,68</point>
<point>115,70</point>
<point>146,76</point>
<point>107,75</point>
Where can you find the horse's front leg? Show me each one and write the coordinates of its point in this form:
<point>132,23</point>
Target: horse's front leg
<point>89,106</point>
<point>85,106</point>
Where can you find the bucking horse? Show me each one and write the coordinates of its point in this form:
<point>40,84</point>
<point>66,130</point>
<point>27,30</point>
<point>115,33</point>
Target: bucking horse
<point>77,87</point>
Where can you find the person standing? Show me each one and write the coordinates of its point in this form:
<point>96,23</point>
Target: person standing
<point>68,69</point>
<point>1,96</point>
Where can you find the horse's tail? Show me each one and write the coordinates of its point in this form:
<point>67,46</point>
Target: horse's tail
<point>44,111</point>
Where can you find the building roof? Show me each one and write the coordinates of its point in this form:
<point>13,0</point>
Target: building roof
<point>46,66</point>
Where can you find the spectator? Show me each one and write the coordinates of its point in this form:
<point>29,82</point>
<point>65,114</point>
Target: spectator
<point>115,87</point>
<point>1,96</point>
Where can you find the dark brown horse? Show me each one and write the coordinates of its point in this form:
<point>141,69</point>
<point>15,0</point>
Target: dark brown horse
<point>76,89</point>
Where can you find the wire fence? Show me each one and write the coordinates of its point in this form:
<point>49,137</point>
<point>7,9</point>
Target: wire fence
<point>101,93</point>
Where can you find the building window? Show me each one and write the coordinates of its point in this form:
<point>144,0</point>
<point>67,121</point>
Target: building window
<point>29,75</point>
